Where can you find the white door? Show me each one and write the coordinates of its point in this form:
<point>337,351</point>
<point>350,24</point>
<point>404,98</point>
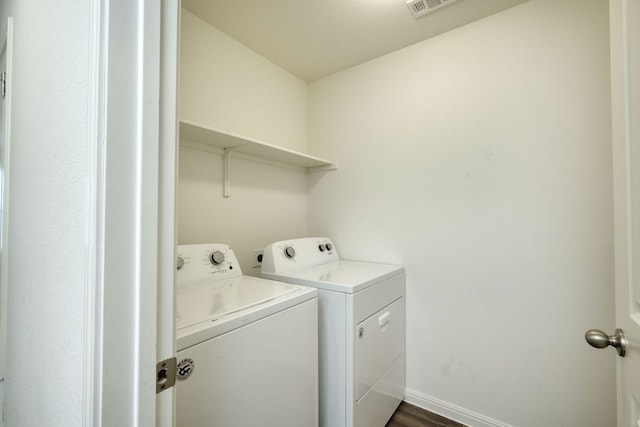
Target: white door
<point>625,77</point>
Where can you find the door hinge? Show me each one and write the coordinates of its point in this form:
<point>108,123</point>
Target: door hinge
<point>3,84</point>
<point>165,374</point>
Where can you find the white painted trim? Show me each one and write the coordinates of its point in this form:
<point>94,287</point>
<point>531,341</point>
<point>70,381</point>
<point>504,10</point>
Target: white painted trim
<point>95,192</point>
<point>132,37</point>
<point>147,208</point>
<point>165,347</point>
<point>451,411</point>
<point>7,45</point>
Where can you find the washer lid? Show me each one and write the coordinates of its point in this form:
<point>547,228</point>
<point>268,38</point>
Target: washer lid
<point>216,299</point>
<point>211,309</point>
<point>340,276</point>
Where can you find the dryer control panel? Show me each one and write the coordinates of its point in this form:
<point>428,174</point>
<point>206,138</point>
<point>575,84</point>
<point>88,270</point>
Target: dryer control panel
<point>292,254</point>
<point>205,262</point>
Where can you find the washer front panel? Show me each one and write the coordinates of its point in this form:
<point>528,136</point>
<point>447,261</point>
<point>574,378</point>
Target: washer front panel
<point>263,374</point>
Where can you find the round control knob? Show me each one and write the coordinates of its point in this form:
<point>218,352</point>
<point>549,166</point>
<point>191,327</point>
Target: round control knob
<point>321,248</point>
<point>180,262</point>
<point>289,252</point>
<point>328,246</point>
<point>216,258</point>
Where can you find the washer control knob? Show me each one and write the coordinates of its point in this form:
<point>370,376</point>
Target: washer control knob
<point>216,258</point>
<point>321,247</point>
<point>180,262</point>
<point>289,252</point>
<point>328,246</point>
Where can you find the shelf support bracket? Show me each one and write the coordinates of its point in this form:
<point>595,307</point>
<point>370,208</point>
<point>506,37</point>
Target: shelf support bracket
<point>226,191</point>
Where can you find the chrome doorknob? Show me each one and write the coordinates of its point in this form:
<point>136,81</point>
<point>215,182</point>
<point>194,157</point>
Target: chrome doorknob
<point>598,339</point>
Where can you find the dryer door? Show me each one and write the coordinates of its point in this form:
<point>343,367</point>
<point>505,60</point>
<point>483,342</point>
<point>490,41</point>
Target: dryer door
<point>379,342</point>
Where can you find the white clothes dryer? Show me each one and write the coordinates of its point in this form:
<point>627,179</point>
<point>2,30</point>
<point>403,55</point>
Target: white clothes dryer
<point>361,328</point>
<point>247,347</point>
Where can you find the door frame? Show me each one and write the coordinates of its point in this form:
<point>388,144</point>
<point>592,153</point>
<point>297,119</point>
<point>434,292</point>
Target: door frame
<point>132,126</point>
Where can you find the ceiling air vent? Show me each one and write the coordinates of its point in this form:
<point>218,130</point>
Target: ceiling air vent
<point>422,7</point>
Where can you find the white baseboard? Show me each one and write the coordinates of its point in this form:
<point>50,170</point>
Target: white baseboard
<point>451,411</point>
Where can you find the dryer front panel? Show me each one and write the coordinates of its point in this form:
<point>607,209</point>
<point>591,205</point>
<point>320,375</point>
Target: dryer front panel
<point>379,343</point>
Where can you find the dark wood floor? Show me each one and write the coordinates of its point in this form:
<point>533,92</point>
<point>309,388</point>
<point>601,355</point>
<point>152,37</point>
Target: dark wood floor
<point>408,415</point>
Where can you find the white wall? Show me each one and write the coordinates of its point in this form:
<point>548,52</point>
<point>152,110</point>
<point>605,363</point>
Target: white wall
<point>267,204</point>
<point>48,237</point>
<point>225,85</point>
<point>481,160</point>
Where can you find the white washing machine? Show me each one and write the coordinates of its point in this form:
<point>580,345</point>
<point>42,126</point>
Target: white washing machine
<point>361,329</point>
<point>247,347</point>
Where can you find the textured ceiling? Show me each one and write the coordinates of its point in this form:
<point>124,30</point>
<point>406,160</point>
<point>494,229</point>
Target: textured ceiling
<point>315,38</point>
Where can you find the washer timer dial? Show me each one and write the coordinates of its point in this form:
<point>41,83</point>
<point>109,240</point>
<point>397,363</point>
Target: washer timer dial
<point>289,252</point>
<point>216,258</point>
